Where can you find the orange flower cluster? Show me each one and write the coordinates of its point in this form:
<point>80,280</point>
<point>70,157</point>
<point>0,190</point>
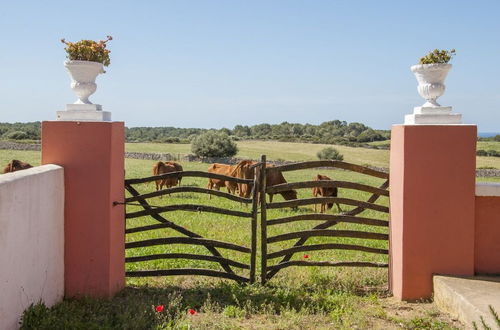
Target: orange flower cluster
<point>88,50</point>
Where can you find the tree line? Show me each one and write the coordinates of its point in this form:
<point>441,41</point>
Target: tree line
<point>20,131</point>
<point>330,132</point>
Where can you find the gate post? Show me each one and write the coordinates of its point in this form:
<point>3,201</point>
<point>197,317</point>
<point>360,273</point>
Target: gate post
<point>263,220</point>
<point>92,154</point>
<point>432,192</point>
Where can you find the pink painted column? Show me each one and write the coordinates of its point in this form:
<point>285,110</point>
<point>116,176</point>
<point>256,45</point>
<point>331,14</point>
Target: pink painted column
<point>432,194</point>
<point>487,233</point>
<point>92,154</point>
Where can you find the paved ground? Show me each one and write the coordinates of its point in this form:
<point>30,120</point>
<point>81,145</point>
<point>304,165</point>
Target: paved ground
<point>468,298</point>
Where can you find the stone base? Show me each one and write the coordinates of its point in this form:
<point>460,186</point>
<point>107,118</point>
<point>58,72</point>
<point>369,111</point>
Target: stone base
<point>468,298</point>
<point>86,107</point>
<point>83,112</point>
<point>432,110</point>
<point>433,116</point>
<point>416,119</point>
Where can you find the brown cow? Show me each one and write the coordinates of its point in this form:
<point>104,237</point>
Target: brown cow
<point>246,169</point>
<point>275,177</point>
<point>178,168</point>
<point>216,184</point>
<point>16,165</point>
<point>167,167</point>
<point>325,192</point>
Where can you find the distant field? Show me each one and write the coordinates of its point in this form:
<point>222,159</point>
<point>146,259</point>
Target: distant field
<point>488,145</point>
<point>276,150</point>
<point>481,145</point>
<point>305,151</point>
<point>32,157</point>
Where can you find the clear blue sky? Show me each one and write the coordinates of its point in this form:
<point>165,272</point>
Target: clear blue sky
<point>221,63</point>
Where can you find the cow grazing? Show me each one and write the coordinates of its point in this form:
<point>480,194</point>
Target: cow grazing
<point>16,165</point>
<point>163,168</point>
<point>325,192</point>
<point>246,170</point>
<point>178,168</point>
<point>216,184</point>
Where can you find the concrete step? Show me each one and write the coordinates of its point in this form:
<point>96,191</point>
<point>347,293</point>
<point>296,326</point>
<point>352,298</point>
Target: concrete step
<point>468,298</point>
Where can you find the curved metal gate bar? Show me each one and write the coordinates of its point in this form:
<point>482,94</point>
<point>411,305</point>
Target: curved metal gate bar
<point>330,220</point>
<point>191,237</point>
<point>258,198</point>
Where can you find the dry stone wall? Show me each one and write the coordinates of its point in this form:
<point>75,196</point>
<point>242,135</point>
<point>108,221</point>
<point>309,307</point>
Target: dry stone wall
<point>7,145</point>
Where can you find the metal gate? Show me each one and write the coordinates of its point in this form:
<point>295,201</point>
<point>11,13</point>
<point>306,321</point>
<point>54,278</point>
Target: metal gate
<point>329,220</point>
<point>246,272</point>
<point>187,236</point>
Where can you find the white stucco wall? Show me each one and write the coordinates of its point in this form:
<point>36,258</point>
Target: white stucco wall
<point>31,240</point>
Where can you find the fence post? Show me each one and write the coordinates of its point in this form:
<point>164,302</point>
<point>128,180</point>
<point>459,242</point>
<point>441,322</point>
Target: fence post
<point>255,215</point>
<point>92,154</point>
<point>263,220</point>
<point>432,184</point>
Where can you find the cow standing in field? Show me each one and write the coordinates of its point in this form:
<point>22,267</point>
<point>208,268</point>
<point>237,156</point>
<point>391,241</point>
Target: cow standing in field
<point>275,177</point>
<point>325,192</point>
<point>178,168</point>
<point>163,168</point>
<point>16,165</point>
<point>216,184</point>
<point>246,170</point>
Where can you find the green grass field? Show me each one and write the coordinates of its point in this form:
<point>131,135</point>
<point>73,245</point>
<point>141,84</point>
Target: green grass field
<point>294,299</point>
<point>237,230</point>
<point>305,151</point>
<point>342,283</point>
<point>488,145</point>
<point>276,150</point>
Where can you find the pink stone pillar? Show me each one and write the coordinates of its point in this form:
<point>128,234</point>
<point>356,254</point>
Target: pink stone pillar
<point>92,154</point>
<point>432,193</point>
<point>487,233</point>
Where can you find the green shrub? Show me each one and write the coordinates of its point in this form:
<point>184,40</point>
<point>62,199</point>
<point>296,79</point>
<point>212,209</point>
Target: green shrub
<point>16,135</point>
<point>329,153</point>
<point>493,153</point>
<point>171,140</point>
<point>481,153</point>
<point>438,56</point>
<point>369,135</point>
<point>213,144</point>
<point>233,311</point>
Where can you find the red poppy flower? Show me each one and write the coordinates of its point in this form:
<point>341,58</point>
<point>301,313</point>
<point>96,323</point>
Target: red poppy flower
<point>306,256</point>
<point>159,308</point>
<point>191,311</point>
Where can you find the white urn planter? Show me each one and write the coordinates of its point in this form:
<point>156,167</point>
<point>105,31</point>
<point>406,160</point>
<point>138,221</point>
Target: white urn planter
<point>430,78</point>
<point>83,75</point>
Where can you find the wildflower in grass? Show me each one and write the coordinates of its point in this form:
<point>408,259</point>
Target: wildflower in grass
<point>159,308</point>
<point>191,311</point>
<point>306,256</point>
